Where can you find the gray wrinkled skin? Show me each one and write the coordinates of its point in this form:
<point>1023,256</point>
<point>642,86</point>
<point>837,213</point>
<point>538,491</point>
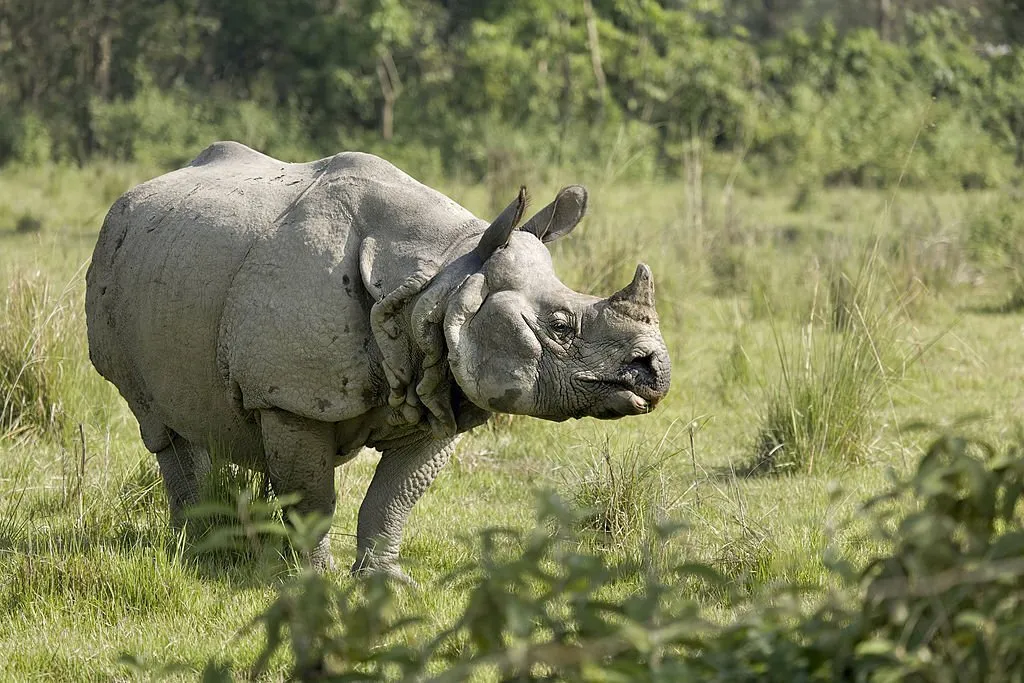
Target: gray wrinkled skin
<point>291,314</point>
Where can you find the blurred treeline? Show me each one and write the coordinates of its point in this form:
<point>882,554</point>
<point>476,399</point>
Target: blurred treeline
<point>833,91</point>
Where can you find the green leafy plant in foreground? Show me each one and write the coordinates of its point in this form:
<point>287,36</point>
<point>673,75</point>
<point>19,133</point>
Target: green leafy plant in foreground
<point>948,602</point>
<point>335,633</point>
<point>942,604</point>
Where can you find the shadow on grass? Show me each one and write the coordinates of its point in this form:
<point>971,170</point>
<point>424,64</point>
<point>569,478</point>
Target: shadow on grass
<point>56,557</point>
<point>1015,304</point>
<point>756,468</point>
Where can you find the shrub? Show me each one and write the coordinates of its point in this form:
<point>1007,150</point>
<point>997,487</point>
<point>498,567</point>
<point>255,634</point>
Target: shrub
<point>948,600</point>
<point>818,414</point>
<point>156,128</point>
<point>942,603</point>
<point>995,238</point>
<point>27,224</point>
<point>34,143</point>
<point>167,128</point>
<point>32,339</point>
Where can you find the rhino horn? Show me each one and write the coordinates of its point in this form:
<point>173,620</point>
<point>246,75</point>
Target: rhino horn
<point>636,299</point>
<point>498,232</point>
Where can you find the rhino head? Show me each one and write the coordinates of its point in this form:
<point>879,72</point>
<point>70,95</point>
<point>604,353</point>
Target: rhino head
<point>520,341</point>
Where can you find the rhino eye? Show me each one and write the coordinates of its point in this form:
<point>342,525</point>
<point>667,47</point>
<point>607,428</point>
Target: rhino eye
<point>562,329</point>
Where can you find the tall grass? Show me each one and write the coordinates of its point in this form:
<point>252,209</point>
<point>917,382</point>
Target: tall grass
<point>620,494</point>
<point>819,413</point>
<point>34,331</point>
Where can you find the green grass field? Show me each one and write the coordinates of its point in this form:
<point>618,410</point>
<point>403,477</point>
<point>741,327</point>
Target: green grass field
<point>827,320</point>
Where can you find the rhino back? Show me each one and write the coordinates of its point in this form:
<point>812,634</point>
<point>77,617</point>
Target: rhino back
<point>159,278</point>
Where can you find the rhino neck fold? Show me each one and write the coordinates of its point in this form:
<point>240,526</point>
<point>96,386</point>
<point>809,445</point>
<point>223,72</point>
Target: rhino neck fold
<point>408,326</point>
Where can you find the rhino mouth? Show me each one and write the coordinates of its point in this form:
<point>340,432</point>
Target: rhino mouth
<point>620,398</point>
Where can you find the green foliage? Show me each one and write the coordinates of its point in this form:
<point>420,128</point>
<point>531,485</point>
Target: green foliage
<point>948,598</point>
<point>995,238</point>
<point>540,607</point>
<point>553,84</point>
<point>28,223</point>
<point>166,129</point>
<point>942,603</point>
<point>232,520</point>
<point>535,604</point>
<point>329,631</point>
<point>25,138</point>
<point>857,109</point>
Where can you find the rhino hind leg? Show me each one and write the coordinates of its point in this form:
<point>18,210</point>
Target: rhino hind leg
<point>183,468</point>
<point>300,459</point>
<point>402,476</point>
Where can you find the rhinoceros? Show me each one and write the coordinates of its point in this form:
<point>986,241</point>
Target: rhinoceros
<point>291,314</point>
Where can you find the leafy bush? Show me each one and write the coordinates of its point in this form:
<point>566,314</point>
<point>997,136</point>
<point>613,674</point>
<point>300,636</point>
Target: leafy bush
<point>28,223</point>
<point>24,138</point>
<point>166,129</point>
<point>943,603</point>
<point>861,110</point>
<point>162,129</point>
<point>554,84</point>
<point>536,604</point>
<point>948,601</point>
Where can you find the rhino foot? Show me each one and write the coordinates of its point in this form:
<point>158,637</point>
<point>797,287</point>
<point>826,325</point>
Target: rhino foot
<point>321,559</point>
<point>390,570</point>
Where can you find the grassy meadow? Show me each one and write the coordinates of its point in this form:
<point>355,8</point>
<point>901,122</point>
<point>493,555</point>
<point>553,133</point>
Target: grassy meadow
<point>807,329</point>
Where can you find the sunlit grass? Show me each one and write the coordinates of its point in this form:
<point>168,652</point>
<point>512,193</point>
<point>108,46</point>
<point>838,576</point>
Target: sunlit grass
<point>89,569</point>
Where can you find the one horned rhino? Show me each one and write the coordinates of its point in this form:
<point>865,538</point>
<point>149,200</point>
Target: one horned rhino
<point>294,313</point>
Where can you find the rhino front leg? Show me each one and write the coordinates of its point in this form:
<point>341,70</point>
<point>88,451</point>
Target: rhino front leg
<point>300,459</point>
<point>183,468</point>
<point>402,476</point>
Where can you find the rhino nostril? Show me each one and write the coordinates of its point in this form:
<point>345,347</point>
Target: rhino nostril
<point>642,366</point>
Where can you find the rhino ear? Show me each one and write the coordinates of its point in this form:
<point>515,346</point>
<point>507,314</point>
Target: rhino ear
<point>500,230</point>
<point>558,218</point>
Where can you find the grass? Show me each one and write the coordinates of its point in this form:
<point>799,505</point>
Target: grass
<point>621,497</point>
<point>89,569</point>
<point>819,412</point>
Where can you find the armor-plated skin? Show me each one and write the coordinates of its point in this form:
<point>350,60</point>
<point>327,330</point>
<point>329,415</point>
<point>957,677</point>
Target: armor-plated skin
<point>291,314</point>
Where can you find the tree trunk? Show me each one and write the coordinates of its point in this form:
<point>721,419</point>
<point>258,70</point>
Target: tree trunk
<point>390,88</point>
<point>104,45</point>
<point>595,50</point>
<point>885,19</point>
